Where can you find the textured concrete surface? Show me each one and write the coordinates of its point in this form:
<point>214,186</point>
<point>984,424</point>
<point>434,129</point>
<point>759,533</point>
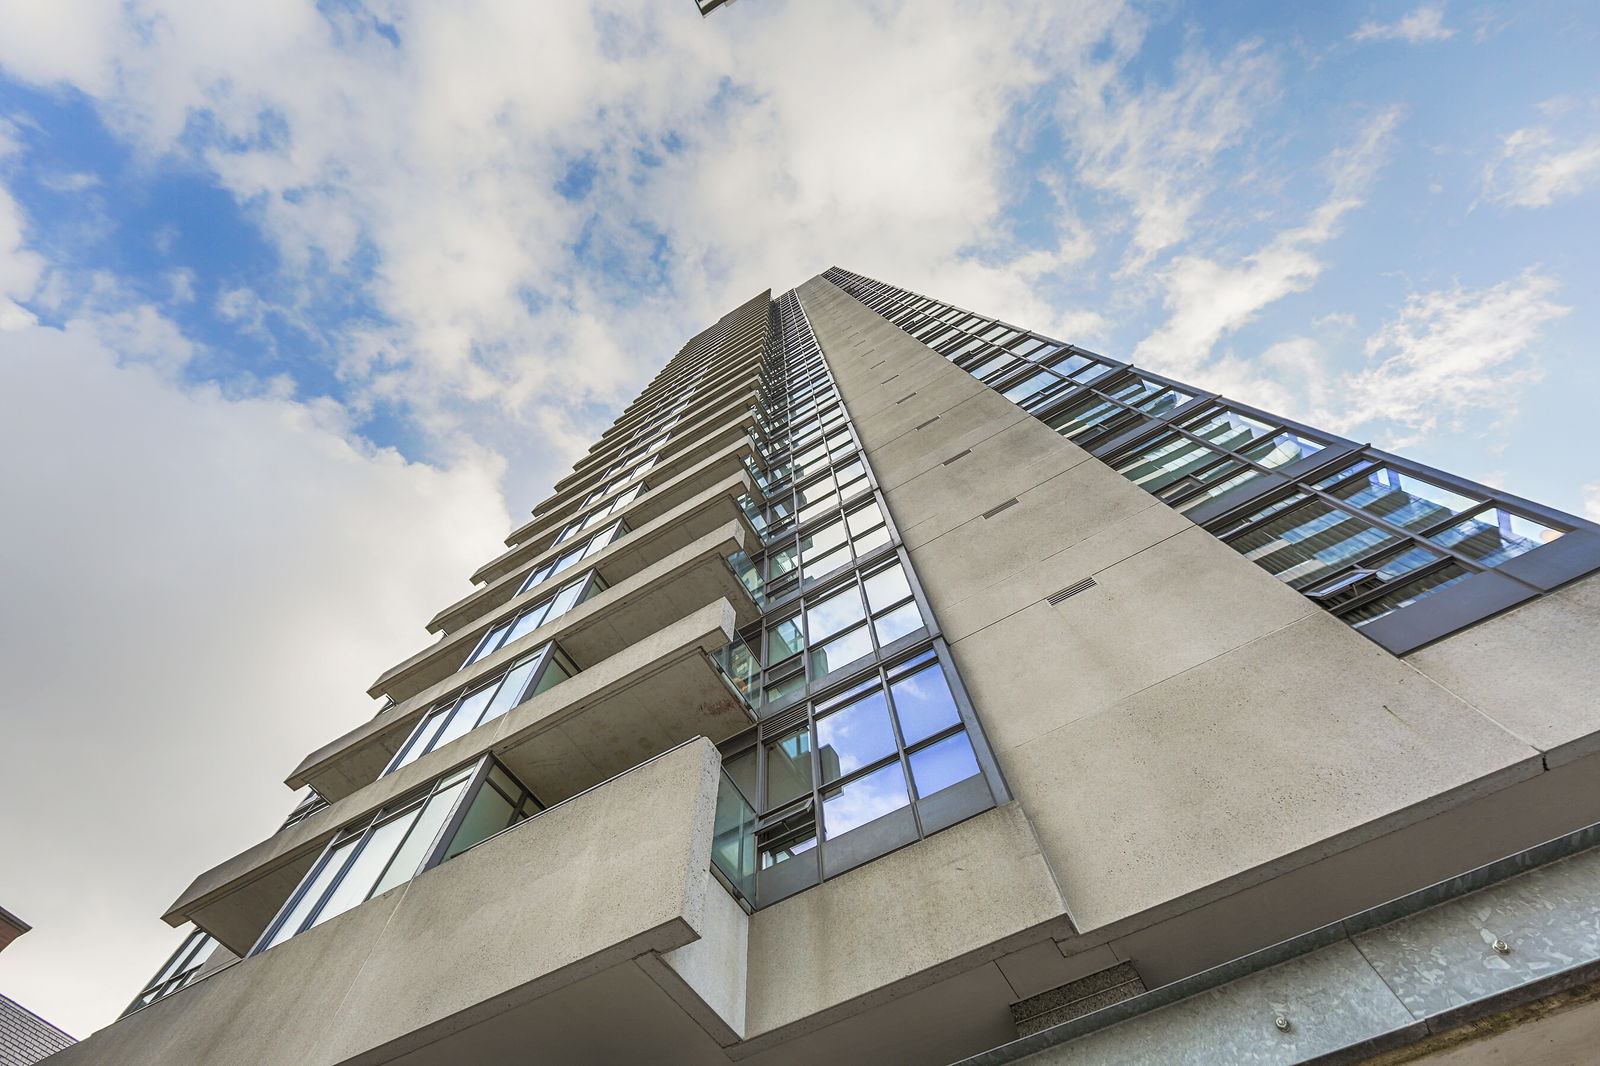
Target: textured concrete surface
<point>1534,669</point>
<point>581,888</point>
<point>915,912</point>
<point>1187,719</point>
<point>620,615</point>
<point>637,704</point>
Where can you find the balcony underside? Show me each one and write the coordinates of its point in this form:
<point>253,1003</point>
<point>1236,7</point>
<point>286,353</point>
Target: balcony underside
<point>637,549</point>
<point>624,710</point>
<point>623,614</point>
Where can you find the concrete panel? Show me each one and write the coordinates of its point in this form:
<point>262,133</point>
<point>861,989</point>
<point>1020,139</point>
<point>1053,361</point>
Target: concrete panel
<point>1252,756</point>
<point>708,978</point>
<point>994,470</point>
<point>914,913</point>
<point>930,443</point>
<point>1077,557</point>
<point>1535,670</point>
<point>1081,656</point>
<point>620,615</point>
<point>586,886</point>
<point>1275,903</point>
<point>616,872</point>
<point>1077,504</point>
<point>631,686</point>
<point>1041,967</point>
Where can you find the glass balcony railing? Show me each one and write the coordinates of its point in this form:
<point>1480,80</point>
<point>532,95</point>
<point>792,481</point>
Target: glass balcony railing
<point>742,668</point>
<point>733,842</point>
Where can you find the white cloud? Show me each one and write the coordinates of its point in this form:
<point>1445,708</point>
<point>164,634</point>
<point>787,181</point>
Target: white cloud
<point>1209,299</point>
<point>1421,26</point>
<point>1154,146</point>
<point>1535,168</point>
<point>726,155</point>
<point>21,270</point>
<point>1591,501</point>
<point>200,590</point>
<point>1449,356</point>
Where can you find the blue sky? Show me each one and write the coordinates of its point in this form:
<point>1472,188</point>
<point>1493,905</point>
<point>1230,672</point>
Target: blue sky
<point>302,303</point>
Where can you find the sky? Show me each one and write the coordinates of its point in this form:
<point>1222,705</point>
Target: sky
<point>303,305</point>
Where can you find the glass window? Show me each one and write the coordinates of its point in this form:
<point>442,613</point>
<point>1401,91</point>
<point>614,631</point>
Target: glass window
<point>1495,536</point>
<point>788,767</point>
<point>397,842</point>
<point>841,651</point>
<point>833,613</point>
<point>856,735</point>
<point>1309,541</point>
<point>943,763</point>
<point>180,969</point>
<point>887,587</point>
<point>544,667</point>
<point>865,799</point>
<point>923,703</point>
<point>1406,501</point>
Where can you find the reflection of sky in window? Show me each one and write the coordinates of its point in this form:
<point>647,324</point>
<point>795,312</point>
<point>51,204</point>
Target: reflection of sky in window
<point>887,587</point>
<point>832,614</point>
<point>924,704</point>
<point>943,764</point>
<point>873,796</point>
<point>858,734</point>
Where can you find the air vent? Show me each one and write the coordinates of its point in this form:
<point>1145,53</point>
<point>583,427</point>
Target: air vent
<point>991,512</point>
<point>784,720</point>
<point>929,422</point>
<point>1071,590</point>
<point>958,455</point>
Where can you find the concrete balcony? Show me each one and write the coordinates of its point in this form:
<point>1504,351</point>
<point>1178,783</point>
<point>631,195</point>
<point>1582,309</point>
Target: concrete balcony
<point>734,372</point>
<point>450,964</point>
<point>642,546</point>
<point>663,476</point>
<point>703,439</point>
<point>671,484</point>
<point>635,704</point>
<point>622,614</point>
<point>687,436</point>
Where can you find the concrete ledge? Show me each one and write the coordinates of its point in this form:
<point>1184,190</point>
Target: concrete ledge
<point>704,437</point>
<point>635,704</point>
<point>620,615</point>
<point>931,910</point>
<point>637,549</point>
<point>507,922</point>
<point>664,476</point>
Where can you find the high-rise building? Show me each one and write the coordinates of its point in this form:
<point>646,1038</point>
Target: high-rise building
<point>891,684</point>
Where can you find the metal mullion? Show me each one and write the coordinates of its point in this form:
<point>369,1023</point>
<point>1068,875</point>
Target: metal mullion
<point>1390,527</point>
<point>1388,586</point>
<point>435,853</point>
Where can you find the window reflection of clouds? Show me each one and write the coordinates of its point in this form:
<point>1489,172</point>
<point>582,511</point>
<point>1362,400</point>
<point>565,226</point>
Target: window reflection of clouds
<point>943,764</point>
<point>858,734</point>
<point>864,800</point>
<point>924,703</point>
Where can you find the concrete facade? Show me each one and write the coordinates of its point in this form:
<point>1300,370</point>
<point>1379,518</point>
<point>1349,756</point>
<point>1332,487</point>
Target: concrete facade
<point>1184,763</point>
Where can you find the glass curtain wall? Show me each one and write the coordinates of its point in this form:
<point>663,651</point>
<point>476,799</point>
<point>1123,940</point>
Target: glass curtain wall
<point>865,739</point>
<point>1363,533</point>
